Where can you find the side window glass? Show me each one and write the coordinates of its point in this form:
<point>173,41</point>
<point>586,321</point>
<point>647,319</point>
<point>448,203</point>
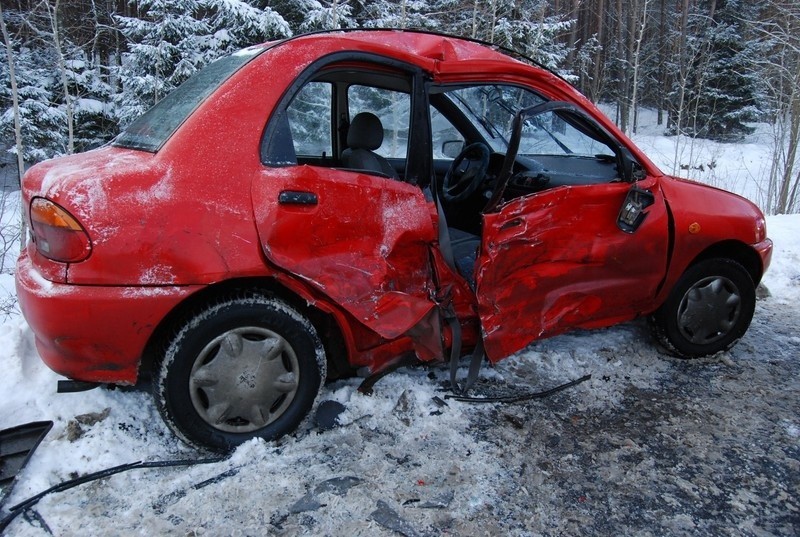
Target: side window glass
<point>447,141</point>
<point>393,108</point>
<point>310,120</point>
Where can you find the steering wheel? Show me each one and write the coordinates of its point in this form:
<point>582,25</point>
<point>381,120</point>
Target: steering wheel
<point>466,173</point>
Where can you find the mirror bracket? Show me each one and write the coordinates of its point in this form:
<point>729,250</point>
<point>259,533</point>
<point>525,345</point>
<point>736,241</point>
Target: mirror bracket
<point>632,213</point>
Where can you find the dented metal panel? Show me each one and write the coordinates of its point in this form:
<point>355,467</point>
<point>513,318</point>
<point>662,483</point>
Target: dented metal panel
<point>556,260</point>
<point>372,261</point>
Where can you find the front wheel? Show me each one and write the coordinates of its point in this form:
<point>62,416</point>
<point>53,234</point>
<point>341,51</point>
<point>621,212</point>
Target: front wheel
<point>242,367</point>
<point>708,310</point>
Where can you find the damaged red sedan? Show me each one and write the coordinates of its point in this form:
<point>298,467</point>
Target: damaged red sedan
<point>354,201</point>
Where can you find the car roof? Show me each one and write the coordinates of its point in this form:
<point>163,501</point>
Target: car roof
<point>422,44</point>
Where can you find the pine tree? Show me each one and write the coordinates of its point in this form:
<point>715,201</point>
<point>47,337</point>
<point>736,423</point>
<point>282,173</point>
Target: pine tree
<point>95,113</point>
<point>398,14</point>
<point>525,26</point>
<point>172,39</point>
<point>729,100</point>
<point>722,89</point>
<point>64,104</point>
<point>42,120</point>
<point>235,24</point>
<point>326,15</point>
<point>163,52</point>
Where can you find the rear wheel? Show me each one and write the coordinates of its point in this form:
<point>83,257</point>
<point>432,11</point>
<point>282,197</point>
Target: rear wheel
<point>243,367</point>
<point>708,310</point>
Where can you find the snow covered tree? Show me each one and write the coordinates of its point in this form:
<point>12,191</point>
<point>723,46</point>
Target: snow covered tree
<point>779,33</point>
<point>590,80</point>
<point>322,15</point>
<point>171,39</point>
<point>527,26</point>
<point>93,103</point>
<point>721,89</point>
<point>163,52</point>
<point>235,24</point>
<point>398,14</point>
<point>61,105</point>
<point>8,72</point>
<point>41,111</point>
<point>42,121</point>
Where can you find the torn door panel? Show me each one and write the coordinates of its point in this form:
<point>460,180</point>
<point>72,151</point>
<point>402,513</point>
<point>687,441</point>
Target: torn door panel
<point>557,260</point>
<point>373,262</point>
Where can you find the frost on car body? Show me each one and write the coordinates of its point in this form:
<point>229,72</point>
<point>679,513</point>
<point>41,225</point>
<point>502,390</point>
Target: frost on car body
<point>391,194</point>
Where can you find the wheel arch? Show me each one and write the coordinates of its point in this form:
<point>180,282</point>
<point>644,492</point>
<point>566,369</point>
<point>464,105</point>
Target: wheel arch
<point>712,279</point>
<point>735,251</point>
<point>328,328</point>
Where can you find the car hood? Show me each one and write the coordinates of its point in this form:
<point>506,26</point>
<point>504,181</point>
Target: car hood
<point>709,199</point>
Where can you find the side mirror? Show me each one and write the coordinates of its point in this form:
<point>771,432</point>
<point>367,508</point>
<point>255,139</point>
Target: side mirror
<point>632,213</point>
<point>452,148</point>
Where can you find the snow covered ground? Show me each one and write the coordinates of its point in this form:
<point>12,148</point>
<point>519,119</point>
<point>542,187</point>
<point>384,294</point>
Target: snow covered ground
<point>651,445</point>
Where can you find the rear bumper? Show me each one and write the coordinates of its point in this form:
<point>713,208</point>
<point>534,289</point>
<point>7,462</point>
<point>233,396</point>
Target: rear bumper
<point>92,333</point>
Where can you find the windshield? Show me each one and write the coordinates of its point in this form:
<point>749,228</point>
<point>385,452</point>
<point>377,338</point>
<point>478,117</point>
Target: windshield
<point>492,108</point>
<point>154,127</point>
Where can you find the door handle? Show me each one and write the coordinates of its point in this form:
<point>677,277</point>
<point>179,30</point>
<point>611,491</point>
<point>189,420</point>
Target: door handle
<point>297,197</point>
<point>514,222</point>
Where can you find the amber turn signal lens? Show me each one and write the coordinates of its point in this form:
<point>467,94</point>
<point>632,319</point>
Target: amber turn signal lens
<point>57,234</point>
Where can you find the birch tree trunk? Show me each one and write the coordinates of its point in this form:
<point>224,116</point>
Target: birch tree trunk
<point>23,233</point>
<point>62,67</point>
<point>636,63</point>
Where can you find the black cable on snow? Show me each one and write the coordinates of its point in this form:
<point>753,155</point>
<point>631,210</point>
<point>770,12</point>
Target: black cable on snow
<point>519,397</point>
<point>72,483</point>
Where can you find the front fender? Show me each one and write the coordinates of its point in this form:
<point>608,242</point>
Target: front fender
<point>707,222</point>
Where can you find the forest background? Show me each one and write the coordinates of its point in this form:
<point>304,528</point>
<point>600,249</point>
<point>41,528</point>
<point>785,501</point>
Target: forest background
<point>74,72</point>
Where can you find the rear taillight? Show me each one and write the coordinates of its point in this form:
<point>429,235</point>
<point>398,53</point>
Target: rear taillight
<point>57,234</point>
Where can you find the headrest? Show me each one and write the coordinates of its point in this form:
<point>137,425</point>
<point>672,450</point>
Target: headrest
<point>366,132</point>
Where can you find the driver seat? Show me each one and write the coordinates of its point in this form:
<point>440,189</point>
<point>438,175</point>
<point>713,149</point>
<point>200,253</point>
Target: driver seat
<point>465,253</point>
<point>364,136</point>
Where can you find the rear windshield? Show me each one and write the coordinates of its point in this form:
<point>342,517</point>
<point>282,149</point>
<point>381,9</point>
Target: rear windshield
<point>154,127</point>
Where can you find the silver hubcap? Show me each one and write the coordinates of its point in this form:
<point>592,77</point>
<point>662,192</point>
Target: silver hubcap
<point>244,379</point>
<point>709,310</point>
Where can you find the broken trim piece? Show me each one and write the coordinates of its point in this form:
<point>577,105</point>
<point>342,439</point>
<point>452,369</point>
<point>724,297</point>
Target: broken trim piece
<point>404,360</point>
<point>16,446</point>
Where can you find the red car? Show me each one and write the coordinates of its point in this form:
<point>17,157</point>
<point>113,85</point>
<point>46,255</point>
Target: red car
<point>355,201</point>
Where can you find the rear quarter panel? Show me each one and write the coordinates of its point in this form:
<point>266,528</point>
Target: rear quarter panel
<point>183,215</point>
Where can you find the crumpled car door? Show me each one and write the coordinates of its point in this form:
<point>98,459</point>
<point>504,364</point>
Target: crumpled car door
<point>557,260</point>
<point>360,239</point>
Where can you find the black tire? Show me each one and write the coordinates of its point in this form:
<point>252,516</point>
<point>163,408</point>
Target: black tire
<point>243,367</point>
<point>708,310</point>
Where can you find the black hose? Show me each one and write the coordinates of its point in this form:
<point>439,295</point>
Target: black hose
<point>72,483</point>
<point>519,397</point>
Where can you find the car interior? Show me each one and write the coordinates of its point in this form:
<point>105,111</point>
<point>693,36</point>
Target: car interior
<point>364,136</point>
<point>359,117</point>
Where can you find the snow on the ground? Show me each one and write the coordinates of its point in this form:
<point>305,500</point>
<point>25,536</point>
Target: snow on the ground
<point>641,448</point>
